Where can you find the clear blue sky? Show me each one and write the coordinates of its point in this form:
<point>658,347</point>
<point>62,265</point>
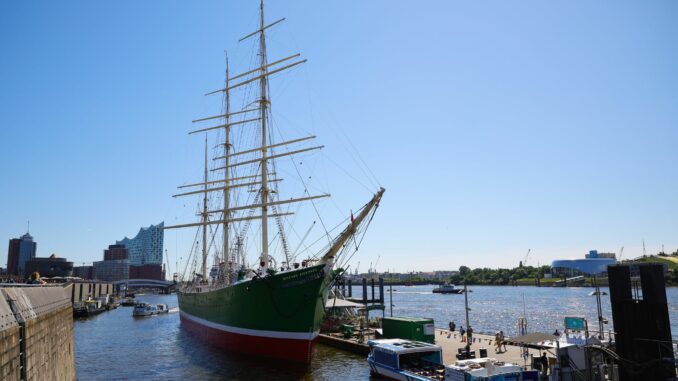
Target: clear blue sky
<point>495,126</point>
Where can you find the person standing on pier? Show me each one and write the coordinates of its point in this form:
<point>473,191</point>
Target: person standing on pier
<point>544,364</point>
<point>462,332</point>
<point>469,335</point>
<point>502,340</point>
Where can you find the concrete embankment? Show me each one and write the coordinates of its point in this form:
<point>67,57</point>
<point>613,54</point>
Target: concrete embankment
<point>36,333</point>
<point>79,291</point>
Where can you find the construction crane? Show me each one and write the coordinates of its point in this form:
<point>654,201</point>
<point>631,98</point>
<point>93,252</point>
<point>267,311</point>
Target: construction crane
<point>375,263</point>
<point>621,253</point>
<point>524,262</point>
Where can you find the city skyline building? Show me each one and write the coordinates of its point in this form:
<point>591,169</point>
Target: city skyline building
<point>13,257</point>
<point>51,266</point>
<point>115,265</point>
<point>146,248</point>
<point>84,271</point>
<point>111,270</point>
<point>116,251</point>
<point>593,263</point>
<point>155,272</point>
<point>20,251</point>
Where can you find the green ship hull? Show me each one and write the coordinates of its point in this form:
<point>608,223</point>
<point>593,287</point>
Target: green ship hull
<point>275,316</point>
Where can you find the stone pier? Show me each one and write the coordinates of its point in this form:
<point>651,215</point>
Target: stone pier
<point>36,333</point>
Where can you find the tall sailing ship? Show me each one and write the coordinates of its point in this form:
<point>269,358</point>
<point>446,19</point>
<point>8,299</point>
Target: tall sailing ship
<point>272,308</point>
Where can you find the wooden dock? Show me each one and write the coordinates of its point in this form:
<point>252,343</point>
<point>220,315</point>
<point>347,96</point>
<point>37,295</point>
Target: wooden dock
<point>349,345</point>
<point>451,343</point>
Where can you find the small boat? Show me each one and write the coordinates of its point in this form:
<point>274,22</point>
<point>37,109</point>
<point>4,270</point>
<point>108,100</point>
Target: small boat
<point>488,369</point>
<point>147,309</point>
<point>406,360</point>
<point>127,302</point>
<point>89,307</point>
<point>144,309</point>
<point>108,302</point>
<point>448,289</point>
<point>162,309</point>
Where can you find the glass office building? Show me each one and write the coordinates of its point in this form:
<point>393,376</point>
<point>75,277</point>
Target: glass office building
<point>21,250</point>
<point>593,263</point>
<point>147,247</point>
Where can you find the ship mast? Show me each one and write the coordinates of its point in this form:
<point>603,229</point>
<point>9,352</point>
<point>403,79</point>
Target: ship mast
<point>255,76</point>
<point>227,144</point>
<point>204,221</point>
<point>263,110</point>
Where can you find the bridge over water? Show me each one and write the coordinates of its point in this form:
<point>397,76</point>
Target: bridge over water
<point>145,283</point>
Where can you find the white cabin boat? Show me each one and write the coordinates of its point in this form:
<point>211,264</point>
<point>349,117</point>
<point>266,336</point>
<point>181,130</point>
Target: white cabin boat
<point>406,360</point>
<point>488,369</point>
<point>448,288</point>
<point>144,309</point>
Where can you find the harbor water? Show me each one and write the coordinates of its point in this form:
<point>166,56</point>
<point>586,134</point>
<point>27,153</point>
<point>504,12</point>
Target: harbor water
<point>499,307</point>
<point>115,346</point>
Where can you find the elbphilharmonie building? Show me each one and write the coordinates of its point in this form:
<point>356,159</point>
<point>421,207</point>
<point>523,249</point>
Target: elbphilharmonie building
<point>146,248</point>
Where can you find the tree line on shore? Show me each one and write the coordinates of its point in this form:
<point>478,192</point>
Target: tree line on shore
<point>487,276</point>
<point>483,276</point>
<point>527,274</point>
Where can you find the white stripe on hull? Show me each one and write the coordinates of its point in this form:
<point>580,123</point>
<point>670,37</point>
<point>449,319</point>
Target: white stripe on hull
<point>252,332</point>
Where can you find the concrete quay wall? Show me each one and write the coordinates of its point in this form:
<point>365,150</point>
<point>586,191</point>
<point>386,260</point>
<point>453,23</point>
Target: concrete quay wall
<point>36,333</point>
<point>79,291</point>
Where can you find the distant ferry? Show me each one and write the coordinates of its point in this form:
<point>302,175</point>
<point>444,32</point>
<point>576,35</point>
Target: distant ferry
<point>448,289</point>
<point>147,309</point>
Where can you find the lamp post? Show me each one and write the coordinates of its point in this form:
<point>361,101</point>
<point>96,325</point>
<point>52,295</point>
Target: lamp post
<point>601,319</point>
<point>466,304</point>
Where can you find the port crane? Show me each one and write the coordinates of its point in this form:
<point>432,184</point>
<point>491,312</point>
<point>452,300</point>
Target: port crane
<point>373,270</point>
<point>524,262</point>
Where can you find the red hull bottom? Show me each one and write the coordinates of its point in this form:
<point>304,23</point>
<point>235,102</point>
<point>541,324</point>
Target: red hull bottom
<point>300,351</point>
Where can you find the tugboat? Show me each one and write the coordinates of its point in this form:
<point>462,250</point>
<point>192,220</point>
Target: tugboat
<point>448,288</point>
